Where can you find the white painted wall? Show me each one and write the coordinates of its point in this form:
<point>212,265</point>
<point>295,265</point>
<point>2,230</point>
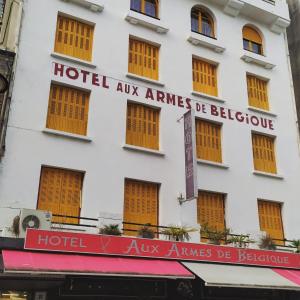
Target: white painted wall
<point>105,162</point>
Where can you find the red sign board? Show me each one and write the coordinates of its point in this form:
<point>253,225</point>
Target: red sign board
<point>127,246</point>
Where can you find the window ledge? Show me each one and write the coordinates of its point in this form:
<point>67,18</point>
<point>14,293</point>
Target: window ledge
<point>142,149</point>
<point>136,18</point>
<point>255,109</point>
<point>145,79</point>
<point>279,25</point>
<point>198,39</point>
<point>91,5</point>
<point>276,176</point>
<point>67,134</point>
<point>209,97</point>
<point>212,163</point>
<point>257,59</point>
<point>73,59</point>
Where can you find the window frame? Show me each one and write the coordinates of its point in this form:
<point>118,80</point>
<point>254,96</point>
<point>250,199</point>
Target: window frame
<point>198,13</point>
<point>143,8</point>
<point>251,43</point>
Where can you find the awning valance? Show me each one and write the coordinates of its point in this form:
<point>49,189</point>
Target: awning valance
<point>243,277</point>
<point>57,263</point>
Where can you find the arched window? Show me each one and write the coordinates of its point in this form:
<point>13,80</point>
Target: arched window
<point>147,7</point>
<point>252,40</point>
<point>202,22</point>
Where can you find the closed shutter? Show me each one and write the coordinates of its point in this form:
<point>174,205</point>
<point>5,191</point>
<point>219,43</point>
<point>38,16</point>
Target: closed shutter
<point>68,109</point>
<point>143,59</point>
<point>257,92</point>
<point>211,211</point>
<point>140,205</point>
<point>74,38</point>
<point>142,127</point>
<point>208,141</point>
<point>252,35</point>
<point>270,220</point>
<point>263,153</point>
<point>60,193</point>
<point>204,77</point>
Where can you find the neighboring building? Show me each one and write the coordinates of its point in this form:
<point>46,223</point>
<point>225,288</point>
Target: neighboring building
<point>293,42</point>
<point>96,128</point>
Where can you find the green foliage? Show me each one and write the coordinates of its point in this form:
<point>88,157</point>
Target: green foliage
<point>176,233</point>
<point>146,232</point>
<point>296,244</point>
<point>111,229</point>
<point>214,236</point>
<point>241,241</point>
<point>266,242</point>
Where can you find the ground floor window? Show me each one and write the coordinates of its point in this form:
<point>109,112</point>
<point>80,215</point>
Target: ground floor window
<point>13,295</point>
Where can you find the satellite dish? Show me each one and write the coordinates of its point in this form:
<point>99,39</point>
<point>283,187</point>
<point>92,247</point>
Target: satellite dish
<point>3,84</point>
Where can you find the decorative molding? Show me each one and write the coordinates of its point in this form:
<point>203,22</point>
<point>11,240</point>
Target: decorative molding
<point>260,60</point>
<point>198,39</point>
<point>212,163</point>
<point>73,60</point>
<point>209,97</point>
<point>233,7</point>
<point>275,176</point>
<point>95,7</point>
<point>255,109</point>
<point>144,150</point>
<point>145,79</point>
<point>279,25</point>
<point>83,138</point>
<point>136,18</point>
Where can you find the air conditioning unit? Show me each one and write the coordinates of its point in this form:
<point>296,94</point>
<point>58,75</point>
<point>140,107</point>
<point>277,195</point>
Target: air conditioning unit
<point>32,218</point>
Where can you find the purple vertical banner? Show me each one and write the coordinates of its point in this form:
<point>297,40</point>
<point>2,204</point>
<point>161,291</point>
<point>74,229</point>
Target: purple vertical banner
<point>190,155</point>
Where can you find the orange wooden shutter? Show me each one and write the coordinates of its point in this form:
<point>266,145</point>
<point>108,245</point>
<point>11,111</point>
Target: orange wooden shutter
<point>140,205</point>
<point>143,59</point>
<point>252,35</point>
<point>74,38</point>
<point>270,220</point>
<point>257,92</point>
<point>60,193</point>
<point>211,210</point>
<point>68,109</point>
<point>263,153</point>
<point>142,126</point>
<point>208,141</point>
<point>204,77</point>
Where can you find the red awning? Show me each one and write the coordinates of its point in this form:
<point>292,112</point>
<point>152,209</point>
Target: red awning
<point>292,275</point>
<point>46,263</point>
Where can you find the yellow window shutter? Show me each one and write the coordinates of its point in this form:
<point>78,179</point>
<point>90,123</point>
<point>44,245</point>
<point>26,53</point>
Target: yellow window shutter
<point>270,220</point>
<point>264,153</point>
<point>142,128</point>
<point>211,210</point>
<point>252,35</point>
<point>68,109</point>
<point>140,205</point>
<point>208,141</point>
<point>60,193</point>
<point>257,92</point>
<point>143,59</point>
<point>204,77</point>
<point>74,38</point>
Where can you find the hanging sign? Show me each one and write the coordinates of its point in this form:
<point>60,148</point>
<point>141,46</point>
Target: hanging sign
<point>190,155</point>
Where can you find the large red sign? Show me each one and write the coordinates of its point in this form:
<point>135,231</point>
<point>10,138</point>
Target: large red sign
<point>127,246</point>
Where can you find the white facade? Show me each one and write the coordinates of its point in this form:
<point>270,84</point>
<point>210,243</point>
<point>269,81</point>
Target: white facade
<point>104,159</point>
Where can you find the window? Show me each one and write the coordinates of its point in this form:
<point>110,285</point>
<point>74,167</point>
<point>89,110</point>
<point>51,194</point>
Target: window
<point>252,40</point>
<point>257,92</point>
<point>143,59</point>
<point>74,38</point>
<point>205,77</point>
<point>142,128</point>
<point>140,205</point>
<point>68,109</point>
<point>202,22</point>
<point>211,211</point>
<point>147,7</point>
<point>60,192</point>
<point>208,141</point>
<point>270,220</point>
<point>263,153</point>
